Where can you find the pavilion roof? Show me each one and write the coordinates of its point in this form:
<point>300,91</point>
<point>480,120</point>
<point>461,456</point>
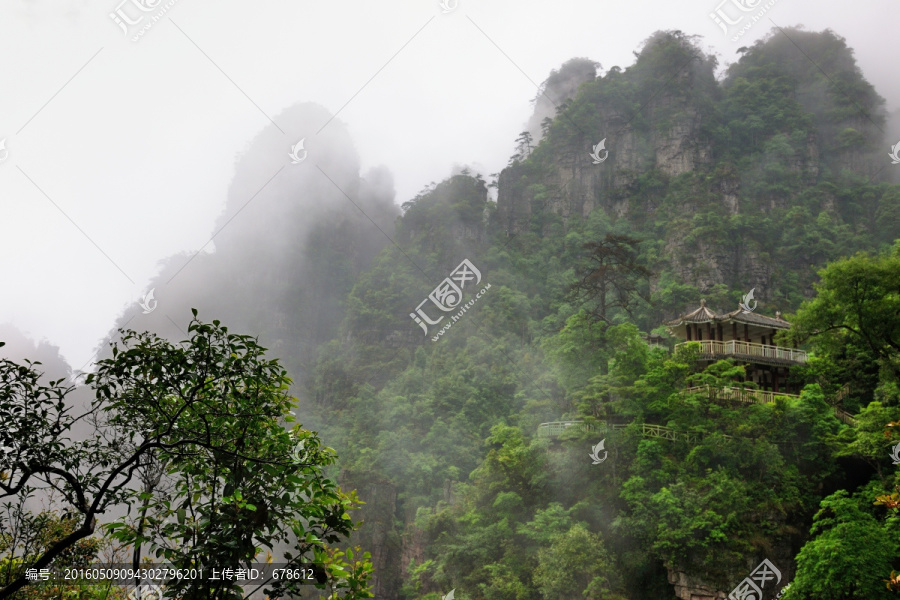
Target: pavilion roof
<point>705,315</point>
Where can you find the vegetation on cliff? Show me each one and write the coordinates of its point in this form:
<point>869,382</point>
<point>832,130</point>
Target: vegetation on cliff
<point>782,182</point>
<point>770,176</point>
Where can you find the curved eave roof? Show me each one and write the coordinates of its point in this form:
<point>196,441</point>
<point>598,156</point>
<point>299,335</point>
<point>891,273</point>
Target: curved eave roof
<point>701,315</point>
<point>751,318</point>
<point>704,315</point>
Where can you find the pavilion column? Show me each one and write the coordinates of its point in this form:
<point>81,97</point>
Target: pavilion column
<point>746,333</point>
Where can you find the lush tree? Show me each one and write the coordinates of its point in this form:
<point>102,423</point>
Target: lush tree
<point>867,440</point>
<point>848,557</point>
<point>612,277</point>
<point>213,410</point>
<point>524,146</point>
<point>577,564</point>
<point>857,302</point>
<point>579,350</point>
<point>25,535</point>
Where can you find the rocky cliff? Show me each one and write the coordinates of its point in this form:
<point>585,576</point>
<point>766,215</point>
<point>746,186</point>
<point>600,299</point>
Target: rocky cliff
<point>765,140</point>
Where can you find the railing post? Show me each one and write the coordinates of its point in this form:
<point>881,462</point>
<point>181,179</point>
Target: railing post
<point>749,349</point>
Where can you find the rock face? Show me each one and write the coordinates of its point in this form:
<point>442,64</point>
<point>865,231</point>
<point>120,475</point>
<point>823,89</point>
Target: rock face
<point>559,87</point>
<point>575,186</point>
<point>706,264</point>
<point>696,586</point>
<point>413,553</point>
<point>377,536</point>
<point>681,144</point>
<point>687,587</point>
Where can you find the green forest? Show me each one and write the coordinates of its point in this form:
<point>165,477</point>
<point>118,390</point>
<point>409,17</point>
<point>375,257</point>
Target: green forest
<point>430,468</point>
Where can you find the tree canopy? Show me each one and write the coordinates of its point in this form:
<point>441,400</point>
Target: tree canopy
<point>212,411</point>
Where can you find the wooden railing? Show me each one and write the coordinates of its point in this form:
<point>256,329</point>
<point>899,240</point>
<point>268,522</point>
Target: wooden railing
<point>840,413</point>
<point>740,394</point>
<point>555,428</point>
<point>766,397</point>
<point>667,433</point>
<point>750,350</point>
<point>845,417</point>
<point>842,393</point>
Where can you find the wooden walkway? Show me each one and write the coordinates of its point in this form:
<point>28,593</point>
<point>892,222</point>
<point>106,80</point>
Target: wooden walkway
<point>555,428</point>
<point>740,394</point>
<point>648,430</point>
<point>765,397</point>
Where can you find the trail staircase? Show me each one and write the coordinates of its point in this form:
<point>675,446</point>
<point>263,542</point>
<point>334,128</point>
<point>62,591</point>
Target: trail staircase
<point>766,397</point>
<point>555,429</point>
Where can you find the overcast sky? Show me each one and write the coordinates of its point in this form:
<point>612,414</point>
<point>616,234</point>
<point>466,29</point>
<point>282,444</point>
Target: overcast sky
<point>120,152</point>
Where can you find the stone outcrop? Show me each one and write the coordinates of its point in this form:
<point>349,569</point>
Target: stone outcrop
<point>665,139</point>
<point>688,587</point>
<point>575,186</point>
<point>377,535</point>
<point>697,586</point>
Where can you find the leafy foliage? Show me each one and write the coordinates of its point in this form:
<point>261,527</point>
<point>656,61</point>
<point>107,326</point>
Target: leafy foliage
<point>212,410</point>
<point>781,187</point>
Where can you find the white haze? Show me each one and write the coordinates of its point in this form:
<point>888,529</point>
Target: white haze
<point>121,160</point>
